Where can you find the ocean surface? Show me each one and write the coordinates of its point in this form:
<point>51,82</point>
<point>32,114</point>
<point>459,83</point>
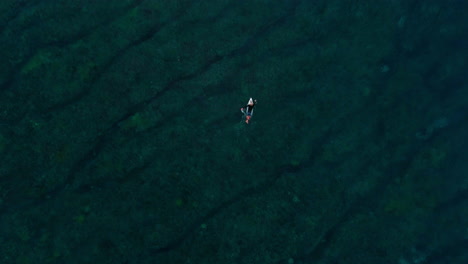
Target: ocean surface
<point>122,139</point>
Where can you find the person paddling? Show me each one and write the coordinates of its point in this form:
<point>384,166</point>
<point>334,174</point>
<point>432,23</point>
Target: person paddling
<point>248,110</point>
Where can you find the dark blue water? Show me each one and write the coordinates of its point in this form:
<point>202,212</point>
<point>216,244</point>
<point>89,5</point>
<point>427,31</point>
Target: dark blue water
<point>121,138</point>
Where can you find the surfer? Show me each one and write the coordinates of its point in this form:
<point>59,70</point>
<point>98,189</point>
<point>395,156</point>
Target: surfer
<point>248,110</point>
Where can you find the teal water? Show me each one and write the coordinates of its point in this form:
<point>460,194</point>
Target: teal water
<point>121,138</point>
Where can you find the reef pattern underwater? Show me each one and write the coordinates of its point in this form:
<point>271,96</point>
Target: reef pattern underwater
<point>121,139</point>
